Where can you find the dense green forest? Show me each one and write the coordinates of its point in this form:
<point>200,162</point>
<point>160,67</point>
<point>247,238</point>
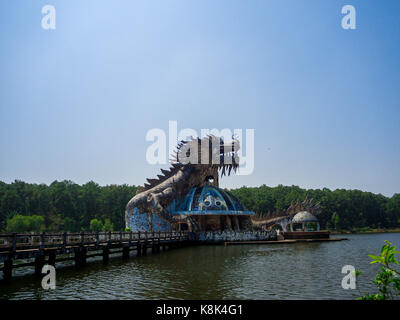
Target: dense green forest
<point>67,206</point>
<point>63,205</point>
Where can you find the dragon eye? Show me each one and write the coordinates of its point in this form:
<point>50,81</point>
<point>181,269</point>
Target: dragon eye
<point>218,203</point>
<point>207,203</point>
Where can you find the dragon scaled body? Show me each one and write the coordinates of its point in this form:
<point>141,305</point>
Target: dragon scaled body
<point>287,215</point>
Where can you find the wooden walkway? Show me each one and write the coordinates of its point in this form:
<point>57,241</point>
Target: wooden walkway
<point>44,248</point>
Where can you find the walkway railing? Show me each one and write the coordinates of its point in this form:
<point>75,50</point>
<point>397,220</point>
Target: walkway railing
<point>50,248</point>
<point>21,241</point>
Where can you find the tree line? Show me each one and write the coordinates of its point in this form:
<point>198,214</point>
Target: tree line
<point>63,206</point>
<point>67,206</point>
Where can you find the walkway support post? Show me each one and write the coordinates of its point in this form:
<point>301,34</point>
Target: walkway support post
<point>7,270</point>
<point>106,252</point>
<point>125,252</point>
<point>83,255</point>
<point>39,263</point>
<point>80,256</point>
<point>52,258</point>
<point>138,249</point>
<point>144,249</point>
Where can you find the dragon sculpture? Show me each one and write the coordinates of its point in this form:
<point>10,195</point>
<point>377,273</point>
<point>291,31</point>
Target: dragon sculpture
<point>195,162</point>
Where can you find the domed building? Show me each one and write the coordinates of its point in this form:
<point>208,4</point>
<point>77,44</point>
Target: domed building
<point>305,225</point>
<point>211,209</point>
<point>306,220</point>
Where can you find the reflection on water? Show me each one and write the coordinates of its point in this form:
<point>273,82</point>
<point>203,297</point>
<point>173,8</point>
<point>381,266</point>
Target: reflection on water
<point>287,271</point>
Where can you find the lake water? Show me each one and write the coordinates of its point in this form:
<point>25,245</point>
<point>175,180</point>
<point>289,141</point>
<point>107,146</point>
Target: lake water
<point>281,271</point>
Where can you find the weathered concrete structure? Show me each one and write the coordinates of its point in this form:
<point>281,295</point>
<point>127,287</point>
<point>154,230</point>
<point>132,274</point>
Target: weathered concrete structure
<point>196,164</point>
<point>187,196</point>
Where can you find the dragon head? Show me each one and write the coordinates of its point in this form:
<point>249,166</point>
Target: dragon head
<point>211,151</point>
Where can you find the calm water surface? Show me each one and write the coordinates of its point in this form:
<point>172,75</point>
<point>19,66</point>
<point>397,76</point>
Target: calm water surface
<point>282,271</point>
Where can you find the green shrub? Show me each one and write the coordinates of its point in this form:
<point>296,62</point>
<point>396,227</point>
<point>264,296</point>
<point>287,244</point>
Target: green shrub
<point>20,223</point>
<point>108,226</point>
<point>96,225</point>
<point>388,279</point>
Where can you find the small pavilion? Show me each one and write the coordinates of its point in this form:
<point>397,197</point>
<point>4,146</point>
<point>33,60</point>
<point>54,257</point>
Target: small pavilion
<point>305,225</point>
<point>306,221</point>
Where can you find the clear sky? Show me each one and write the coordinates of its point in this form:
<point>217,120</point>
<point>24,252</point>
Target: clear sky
<point>76,102</point>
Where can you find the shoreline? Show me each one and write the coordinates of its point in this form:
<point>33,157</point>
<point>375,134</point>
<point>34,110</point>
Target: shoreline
<point>380,230</point>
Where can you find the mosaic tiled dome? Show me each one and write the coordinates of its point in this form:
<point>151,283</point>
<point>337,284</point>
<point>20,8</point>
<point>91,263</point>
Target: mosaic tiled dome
<point>210,200</point>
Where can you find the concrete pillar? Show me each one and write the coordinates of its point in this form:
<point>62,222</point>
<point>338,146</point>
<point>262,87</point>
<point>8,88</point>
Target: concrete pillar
<point>144,249</point>
<point>106,254</point>
<point>125,253</point>
<point>7,270</point>
<point>83,256</point>
<point>138,250</point>
<point>80,257</point>
<point>39,263</point>
<point>236,223</point>
<point>77,257</point>
<point>228,223</point>
<point>52,258</point>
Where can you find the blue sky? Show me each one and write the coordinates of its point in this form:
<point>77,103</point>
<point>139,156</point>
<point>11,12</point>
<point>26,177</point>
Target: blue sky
<point>76,102</point>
